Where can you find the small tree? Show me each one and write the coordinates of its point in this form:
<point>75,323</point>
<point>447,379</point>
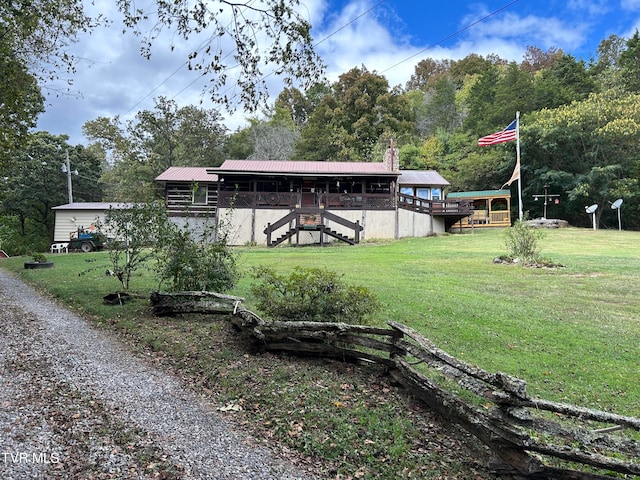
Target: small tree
<point>311,294</point>
<point>201,262</point>
<point>521,241</point>
<point>131,234</point>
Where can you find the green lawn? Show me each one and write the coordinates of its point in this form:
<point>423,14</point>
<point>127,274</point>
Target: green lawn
<point>572,333</point>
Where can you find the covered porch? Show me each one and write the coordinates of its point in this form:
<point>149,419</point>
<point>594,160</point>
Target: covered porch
<point>491,208</point>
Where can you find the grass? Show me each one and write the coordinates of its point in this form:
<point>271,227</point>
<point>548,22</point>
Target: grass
<point>572,333</point>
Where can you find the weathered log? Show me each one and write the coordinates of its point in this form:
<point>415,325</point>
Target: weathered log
<point>326,350</point>
<point>504,441</point>
<point>173,303</point>
<point>367,342</point>
<point>580,412</point>
<point>586,458</point>
<point>598,439</point>
<point>505,382</point>
<point>499,428</point>
<point>295,326</point>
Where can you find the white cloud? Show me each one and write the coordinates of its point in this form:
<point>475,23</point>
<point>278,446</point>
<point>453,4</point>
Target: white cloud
<point>115,80</point>
<point>633,5</point>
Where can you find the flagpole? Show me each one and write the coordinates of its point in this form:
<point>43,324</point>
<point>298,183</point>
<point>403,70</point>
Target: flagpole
<point>519,167</point>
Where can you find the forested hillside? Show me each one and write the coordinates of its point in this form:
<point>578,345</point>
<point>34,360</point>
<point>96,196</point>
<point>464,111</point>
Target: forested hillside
<point>580,136</point>
<point>580,128</point>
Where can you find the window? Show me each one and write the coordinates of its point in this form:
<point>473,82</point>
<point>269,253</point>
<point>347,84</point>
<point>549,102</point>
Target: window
<point>200,195</point>
<point>423,193</point>
<point>407,191</point>
<point>436,194</point>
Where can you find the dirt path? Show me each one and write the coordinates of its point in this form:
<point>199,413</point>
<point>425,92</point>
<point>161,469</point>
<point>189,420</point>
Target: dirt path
<point>74,404</point>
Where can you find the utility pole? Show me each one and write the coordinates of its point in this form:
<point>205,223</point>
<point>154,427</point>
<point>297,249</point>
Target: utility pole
<point>69,188</point>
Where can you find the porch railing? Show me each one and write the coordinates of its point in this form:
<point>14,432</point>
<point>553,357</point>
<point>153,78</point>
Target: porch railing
<point>369,201</point>
<point>435,207</point>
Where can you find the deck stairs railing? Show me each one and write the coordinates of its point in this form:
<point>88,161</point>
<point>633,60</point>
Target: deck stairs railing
<point>311,219</point>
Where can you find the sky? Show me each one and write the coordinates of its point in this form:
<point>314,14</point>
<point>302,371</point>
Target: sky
<point>386,36</point>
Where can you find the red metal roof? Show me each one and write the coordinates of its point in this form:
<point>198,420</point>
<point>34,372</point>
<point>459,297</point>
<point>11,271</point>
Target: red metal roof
<point>303,167</point>
<point>187,174</point>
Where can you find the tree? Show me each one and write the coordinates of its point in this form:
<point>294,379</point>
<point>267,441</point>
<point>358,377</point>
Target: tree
<point>347,125</point>
<point>35,183</point>
<point>240,34</point>
<point>591,148</point>
<point>440,112</point>
<point>629,62</point>
<point>21,103</point>
<point>131,233</point>
<point>239,144</point>
<point>270,34</point>
<point>196,257</point>
<point>535,59</point>
<point>140,150</point>
<point>296,105</point>
<point>273,141</point>
<point>428,72</point>
<point>563,82</point>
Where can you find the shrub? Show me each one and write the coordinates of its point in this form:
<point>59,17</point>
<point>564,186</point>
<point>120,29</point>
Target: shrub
<point>521,241</point>
<point>189,264</point>
<point>311,294</point>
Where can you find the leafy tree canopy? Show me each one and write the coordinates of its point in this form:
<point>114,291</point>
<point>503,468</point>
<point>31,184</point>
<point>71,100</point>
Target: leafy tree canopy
<point>141,149</point>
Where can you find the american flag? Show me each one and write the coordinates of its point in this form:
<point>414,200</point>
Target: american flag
<point>505,135</point>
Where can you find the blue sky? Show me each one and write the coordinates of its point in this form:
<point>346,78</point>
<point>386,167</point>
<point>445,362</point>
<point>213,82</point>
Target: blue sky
<point>387,36</point>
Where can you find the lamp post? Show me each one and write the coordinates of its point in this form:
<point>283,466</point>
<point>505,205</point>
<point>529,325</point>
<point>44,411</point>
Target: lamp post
<point>547,196</point>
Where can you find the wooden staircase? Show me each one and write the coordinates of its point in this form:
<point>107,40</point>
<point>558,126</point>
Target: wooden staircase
<point>310,219</point>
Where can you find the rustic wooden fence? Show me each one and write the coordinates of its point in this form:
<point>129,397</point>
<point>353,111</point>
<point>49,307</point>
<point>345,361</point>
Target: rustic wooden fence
<point>531,438</point>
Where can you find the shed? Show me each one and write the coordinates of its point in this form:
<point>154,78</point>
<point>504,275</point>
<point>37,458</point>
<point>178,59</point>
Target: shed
<point>72,216</point>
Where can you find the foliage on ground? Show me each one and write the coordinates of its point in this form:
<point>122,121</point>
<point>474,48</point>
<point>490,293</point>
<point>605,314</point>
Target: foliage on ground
<point>311,294</point>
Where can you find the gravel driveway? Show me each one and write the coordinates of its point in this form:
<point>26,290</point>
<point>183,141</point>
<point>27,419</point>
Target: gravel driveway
<point>75,404</point>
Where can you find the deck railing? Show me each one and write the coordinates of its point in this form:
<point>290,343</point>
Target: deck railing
<point>369,201</point>
<point>434,207</point>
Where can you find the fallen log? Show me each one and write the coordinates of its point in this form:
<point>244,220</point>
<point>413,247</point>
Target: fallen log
<point>175,303</point>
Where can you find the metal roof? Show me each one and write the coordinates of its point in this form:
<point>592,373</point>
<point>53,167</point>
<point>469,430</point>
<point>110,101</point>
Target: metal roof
<point>93,206</point>
<point>421,177</point>
<point>480,194</point>
<point>187,174</point>
<point>300,168</point>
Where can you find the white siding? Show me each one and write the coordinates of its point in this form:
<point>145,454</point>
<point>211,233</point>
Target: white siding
<point>68,221</point>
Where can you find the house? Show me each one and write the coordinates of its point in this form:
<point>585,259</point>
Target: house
<point>71,217</point>
<point>491,208</point>
<point>270,202</point>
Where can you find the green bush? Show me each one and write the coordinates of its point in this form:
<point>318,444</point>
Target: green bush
<point>311,294</point>
<point>521,241</point>
<point>189,264</point>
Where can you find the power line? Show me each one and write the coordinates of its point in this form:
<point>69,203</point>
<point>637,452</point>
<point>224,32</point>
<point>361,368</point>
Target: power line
<point>203,45</point>
<point>452,35</point>
<point>351,22</point>
<point>336,31</point>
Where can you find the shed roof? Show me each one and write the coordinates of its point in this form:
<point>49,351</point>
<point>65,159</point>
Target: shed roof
<point>102,206</point>
<point>480,194</point>
<point>421,177</point>
<point>302,168</point>
<point>187,174</point>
